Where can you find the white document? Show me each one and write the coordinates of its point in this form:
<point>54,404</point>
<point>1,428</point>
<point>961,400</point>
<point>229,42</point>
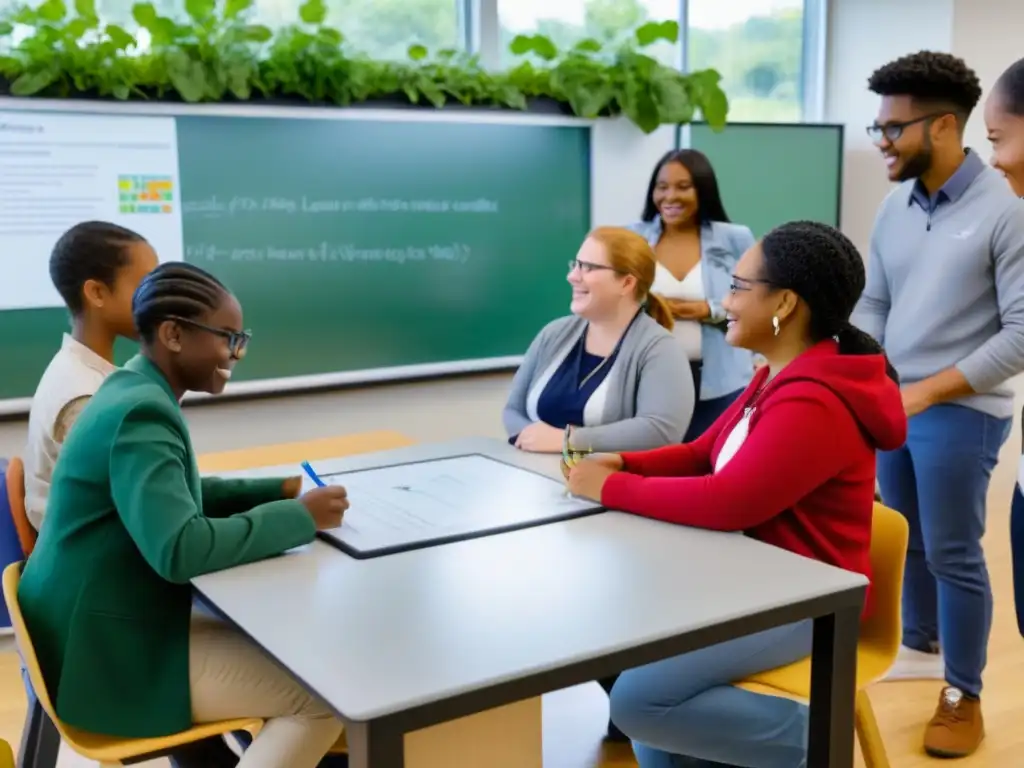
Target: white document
<point>461,496</point>
<point>58,169</point>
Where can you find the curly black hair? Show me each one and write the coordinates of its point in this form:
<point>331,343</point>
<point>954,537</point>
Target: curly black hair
<point>930,76</point>
<point>1010,87</point>
<point>174,289</point>
<point>91,250</point>
<point>824,268</point>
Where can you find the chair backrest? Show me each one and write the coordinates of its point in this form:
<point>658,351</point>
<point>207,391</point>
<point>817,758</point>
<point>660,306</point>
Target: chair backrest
<point>11,579</point>
<point>883,627</point>
<point>16,498</point>
<point>6,755</point>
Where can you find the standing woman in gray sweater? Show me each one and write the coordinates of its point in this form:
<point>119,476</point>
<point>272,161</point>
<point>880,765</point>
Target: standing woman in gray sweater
<point>611,371</point>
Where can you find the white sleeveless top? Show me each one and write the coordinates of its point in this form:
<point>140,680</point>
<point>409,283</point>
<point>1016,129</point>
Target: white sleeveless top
<point>690,288</point>
<point>74,374</point>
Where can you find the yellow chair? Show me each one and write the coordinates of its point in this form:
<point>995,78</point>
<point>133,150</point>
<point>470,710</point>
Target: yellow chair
<point>6,755</point>
<point>106,750</point>
<point>879,636</point>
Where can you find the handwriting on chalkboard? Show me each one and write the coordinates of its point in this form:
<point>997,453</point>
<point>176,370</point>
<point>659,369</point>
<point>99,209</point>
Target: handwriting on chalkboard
<point>457,253</point>
<point>218,207</point>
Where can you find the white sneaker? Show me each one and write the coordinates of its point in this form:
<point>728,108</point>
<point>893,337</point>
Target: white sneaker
<point>912,664</point>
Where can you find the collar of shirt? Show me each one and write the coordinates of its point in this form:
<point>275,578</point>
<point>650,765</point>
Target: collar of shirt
<point>87,356</point>
<point>954,187</point>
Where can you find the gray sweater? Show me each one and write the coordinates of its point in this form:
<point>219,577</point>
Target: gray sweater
<point>646,400</point>
<point>945,284</point>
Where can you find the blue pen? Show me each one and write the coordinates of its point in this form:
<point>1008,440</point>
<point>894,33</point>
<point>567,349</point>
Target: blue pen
<point>320,483</point>
<point>313,475</point>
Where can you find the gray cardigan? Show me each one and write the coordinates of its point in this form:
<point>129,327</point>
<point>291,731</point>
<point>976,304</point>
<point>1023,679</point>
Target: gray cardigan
<point>646,400</point>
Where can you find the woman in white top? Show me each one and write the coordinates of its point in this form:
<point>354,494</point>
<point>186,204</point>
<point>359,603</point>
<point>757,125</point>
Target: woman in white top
<point>697,249</point>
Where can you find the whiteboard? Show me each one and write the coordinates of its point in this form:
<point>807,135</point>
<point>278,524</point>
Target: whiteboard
<point>427,503</point>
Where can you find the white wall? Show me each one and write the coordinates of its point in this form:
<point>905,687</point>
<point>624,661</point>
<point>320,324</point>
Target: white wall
<point>621,160</point>
<point>864,34</point>
<point>989,35</point>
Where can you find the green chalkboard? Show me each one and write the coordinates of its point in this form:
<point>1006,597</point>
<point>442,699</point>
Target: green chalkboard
<point>771,173</point>
<point>360,244</point>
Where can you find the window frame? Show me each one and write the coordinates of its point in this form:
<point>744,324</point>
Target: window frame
<point>479,32</point>
<point>481,36</point>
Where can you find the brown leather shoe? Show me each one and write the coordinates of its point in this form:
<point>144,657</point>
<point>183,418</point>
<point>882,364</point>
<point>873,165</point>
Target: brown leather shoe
<point>957,728</point>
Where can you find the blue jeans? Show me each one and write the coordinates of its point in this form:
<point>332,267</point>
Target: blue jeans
<point>683,712</point>
<point>1017,553</point>
<point>939,481</point>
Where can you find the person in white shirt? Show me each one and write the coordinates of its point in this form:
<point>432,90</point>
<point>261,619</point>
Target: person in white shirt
<point>95,267</point>
<point>697,249</point>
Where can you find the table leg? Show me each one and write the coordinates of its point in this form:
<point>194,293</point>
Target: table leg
<point>833,689</point>
<point>374,745</point>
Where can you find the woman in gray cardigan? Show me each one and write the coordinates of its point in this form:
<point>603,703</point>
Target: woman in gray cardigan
<point>611,372</point>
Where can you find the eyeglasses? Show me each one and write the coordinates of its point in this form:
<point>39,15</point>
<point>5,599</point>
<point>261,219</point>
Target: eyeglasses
<point>892,131</point>
<point>745,283</point>
<point>237,340</point>
<point>587,267</point>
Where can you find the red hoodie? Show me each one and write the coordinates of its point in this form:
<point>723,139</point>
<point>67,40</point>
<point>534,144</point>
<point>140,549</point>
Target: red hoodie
<point>804,477</point>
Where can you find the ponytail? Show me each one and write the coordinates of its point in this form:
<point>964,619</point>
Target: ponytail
<point>853,341</point>
<point>657,308</point>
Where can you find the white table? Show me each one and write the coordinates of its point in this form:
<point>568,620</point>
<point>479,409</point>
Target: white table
<point>402,642</point>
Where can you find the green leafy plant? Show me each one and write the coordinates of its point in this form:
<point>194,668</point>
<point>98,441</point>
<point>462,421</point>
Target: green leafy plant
<point>211,51</point>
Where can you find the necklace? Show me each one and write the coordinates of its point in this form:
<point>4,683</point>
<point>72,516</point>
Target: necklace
<point>753,400</point>
<point>615,351</point>
<point>593,373</point>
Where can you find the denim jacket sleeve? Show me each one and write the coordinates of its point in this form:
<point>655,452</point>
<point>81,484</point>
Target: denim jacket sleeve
<point>738,239</point>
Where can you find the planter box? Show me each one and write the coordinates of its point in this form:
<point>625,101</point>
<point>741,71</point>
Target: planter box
<point>542,105</point>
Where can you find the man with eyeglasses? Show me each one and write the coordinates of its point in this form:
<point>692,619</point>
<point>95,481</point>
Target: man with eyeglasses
<point>945,297</point>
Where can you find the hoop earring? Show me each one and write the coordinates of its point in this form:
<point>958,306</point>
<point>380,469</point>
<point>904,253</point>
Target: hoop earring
<point>775,324</point>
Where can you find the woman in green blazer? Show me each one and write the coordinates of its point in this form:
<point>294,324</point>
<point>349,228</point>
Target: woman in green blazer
<point>129,522</point>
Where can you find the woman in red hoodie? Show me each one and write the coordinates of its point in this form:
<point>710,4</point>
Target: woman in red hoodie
<point>791,463</point>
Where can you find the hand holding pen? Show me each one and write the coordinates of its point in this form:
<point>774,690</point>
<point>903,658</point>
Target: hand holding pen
<point>326,504</point>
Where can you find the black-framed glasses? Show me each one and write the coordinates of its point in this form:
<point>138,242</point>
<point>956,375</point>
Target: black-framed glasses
<point>237,340</point>
<point>745,283</point>
<point>893,130</point>
<point>587,267</point>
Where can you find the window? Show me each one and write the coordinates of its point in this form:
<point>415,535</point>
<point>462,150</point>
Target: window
<point>380,28</point>
<point>769,52</point>
<point>566,22</point>
<point>758,47</point>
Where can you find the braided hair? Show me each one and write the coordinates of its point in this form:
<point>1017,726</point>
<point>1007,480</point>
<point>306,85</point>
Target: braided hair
<point>174,289</point>
<point>823,267</point>
<point>91,250</point>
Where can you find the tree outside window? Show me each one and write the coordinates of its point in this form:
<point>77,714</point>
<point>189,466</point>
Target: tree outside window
<point>757,46</point>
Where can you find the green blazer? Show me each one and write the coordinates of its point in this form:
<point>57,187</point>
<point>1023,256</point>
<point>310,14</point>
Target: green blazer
<point>129,522</point>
